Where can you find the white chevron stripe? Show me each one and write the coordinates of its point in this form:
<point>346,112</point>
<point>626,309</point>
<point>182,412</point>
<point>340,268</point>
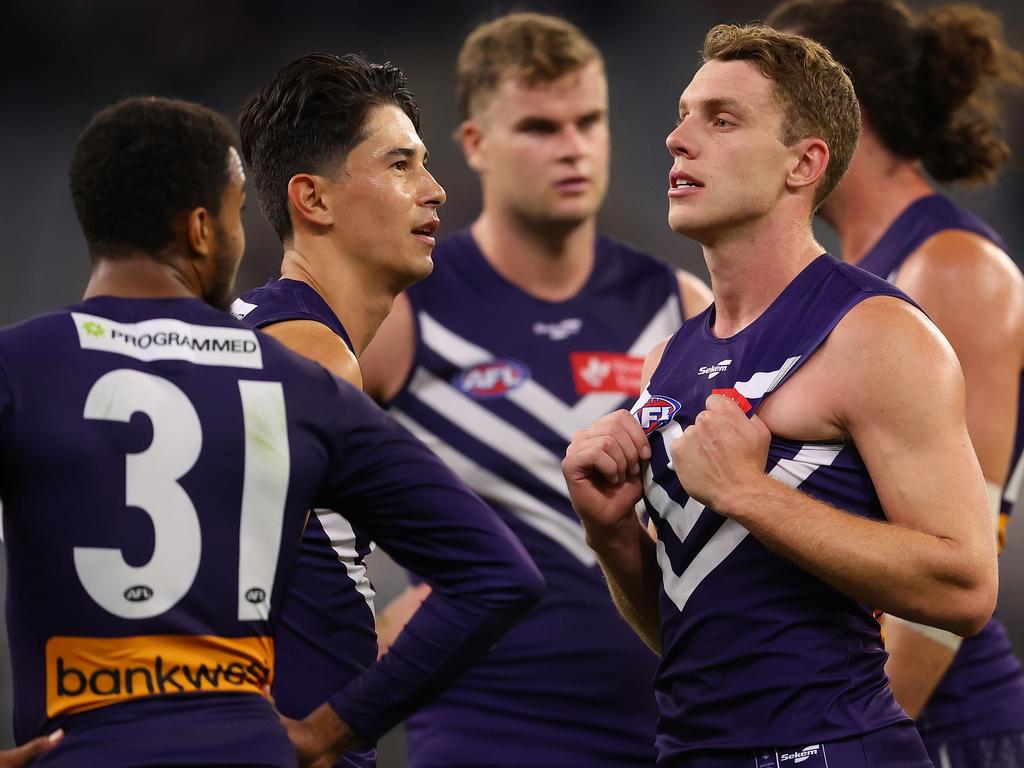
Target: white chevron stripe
<point>534,398</point>
<point>496,433</point>
<point>451,346</point>
<point>343,542</point>
<point>790,472</point>
<point>764,382</point>
<point>553,524</point>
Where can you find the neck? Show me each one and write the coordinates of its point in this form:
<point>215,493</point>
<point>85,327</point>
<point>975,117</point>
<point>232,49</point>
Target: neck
<point>360,303</point>
<point>871,196</point>
<point>752,265</point>
<point>139,275</point>
<point>550,262</point>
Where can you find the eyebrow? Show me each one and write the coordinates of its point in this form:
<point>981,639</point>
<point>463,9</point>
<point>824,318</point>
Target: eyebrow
<point>406,152</point>
<point>716,104</point>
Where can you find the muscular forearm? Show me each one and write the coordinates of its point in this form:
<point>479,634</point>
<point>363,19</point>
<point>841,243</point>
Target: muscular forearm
<point>900,570</point>
<point>629,560</point>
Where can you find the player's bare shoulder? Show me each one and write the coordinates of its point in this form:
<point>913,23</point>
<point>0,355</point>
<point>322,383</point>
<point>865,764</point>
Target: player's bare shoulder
<point>883,351</point>
<point>886,356</point>
<point>319,343</point>
<point>962,276</point>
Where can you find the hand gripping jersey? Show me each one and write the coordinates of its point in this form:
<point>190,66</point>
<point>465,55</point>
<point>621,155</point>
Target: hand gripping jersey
<point>157,463</point>
<point>757,652</point>
<point>500,382</point>
<point>326,634</point>
<point>982,693</point>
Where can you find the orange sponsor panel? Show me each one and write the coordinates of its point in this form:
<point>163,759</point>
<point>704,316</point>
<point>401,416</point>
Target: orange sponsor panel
<point>84,673</point>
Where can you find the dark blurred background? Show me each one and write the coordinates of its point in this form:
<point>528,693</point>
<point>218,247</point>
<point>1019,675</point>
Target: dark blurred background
<point>61,61</point>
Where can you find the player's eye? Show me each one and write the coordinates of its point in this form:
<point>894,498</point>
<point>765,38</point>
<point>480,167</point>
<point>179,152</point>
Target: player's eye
<point>401,165</point>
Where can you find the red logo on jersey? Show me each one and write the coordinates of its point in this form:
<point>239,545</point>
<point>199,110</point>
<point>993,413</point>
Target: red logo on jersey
<point>735,396</point>
<point>492,379</point>
<point>656,413</point>
<point>606,372</point>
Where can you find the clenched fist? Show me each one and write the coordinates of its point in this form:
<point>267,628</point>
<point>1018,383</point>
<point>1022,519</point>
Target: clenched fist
<point>720,453</point>
<point>603,470</point>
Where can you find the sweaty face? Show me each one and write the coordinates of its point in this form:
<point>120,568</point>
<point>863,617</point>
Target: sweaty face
<point>230,237</point>
<point>543,149</point>
<point>729,163</point>
<point>385,202</point>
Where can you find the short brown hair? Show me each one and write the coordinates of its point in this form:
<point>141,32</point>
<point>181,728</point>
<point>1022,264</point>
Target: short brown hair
<point>528,46</point>
<point>813,90</point>
<point>927,82</point>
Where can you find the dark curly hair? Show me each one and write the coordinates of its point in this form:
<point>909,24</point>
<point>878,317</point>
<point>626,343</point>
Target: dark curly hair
<point>141,162</point>
<point>928,84</point>
<point>309,117</point>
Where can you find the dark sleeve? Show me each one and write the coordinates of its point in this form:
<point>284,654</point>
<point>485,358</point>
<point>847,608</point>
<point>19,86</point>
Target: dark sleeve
<point>390,485</point>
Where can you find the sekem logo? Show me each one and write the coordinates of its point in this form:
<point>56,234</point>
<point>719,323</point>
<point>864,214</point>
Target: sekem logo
<point>800,755</point>
<point>713,370</point>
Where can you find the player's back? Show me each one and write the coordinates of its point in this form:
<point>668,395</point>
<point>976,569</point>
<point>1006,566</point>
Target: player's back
<point>156,464</point>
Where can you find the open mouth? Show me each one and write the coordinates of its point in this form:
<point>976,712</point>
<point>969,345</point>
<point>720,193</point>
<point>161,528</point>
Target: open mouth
<point>426,231</point>
<point>680,183</point>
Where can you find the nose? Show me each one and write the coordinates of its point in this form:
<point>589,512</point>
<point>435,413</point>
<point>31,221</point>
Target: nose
<point>680,141</point>
<point>573,143</point>
<point>435,194</point>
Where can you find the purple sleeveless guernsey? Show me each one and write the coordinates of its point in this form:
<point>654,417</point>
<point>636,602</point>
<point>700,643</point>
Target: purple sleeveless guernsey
<point>500,382</point>
<point>326,635</point>
<point>982,694</point>
<point>758,653</point>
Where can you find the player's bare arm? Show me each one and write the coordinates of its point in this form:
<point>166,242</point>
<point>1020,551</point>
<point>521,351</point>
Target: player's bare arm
<point>603,468</point>
<point>985,326</point>
<point>319,343</point>
<point>901,401</point>
<point>321,738</point>
<point>387,360</point>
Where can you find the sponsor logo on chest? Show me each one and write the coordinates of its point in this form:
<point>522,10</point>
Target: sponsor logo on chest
<point>494,378</point>
<point>606,372</point>
<point>559,331</point>
<point>713,370</point>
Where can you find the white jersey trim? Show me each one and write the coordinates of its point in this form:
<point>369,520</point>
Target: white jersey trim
<point>553,524</point>
<point>343,541</point>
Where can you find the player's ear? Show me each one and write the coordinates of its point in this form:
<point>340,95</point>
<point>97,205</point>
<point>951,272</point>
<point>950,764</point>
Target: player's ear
<point>471,137</point>
<point>308,201</point>
<point>810,160</point>
<point>200,231</point>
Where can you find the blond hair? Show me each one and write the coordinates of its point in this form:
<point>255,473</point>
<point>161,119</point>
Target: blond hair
<point>531,47</point>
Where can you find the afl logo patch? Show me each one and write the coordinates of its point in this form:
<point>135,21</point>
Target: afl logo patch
<point>656,413</point>
<point>492,379</point>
